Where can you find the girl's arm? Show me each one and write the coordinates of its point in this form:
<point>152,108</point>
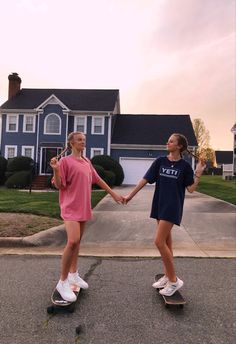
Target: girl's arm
<point>56,172</point>
<point>118,198</point>
<point>137,188</point>
<point>198,172</point>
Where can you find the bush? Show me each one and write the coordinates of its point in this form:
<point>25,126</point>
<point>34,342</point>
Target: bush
<point>20,163</point>
<point>100,171</point>
<point>3,167</point>
<point>110,164</point>
<point>18,180</point>
<point>109,178</point>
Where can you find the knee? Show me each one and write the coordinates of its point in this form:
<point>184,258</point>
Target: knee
<point>73,244</point>
<point>159,243</point>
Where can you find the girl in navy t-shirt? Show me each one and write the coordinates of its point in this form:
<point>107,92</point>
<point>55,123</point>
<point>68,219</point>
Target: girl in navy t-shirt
<point>172,176</point>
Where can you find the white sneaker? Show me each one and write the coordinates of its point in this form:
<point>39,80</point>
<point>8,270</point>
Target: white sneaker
<point>75,279</point>
<point>64,289</point>
<point>161,283</point>
<point>171,287</point>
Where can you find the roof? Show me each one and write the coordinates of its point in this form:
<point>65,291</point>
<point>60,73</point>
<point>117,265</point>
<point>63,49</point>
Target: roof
<point>74,99</point>
<point>224,157</point>
<point>151,129</point>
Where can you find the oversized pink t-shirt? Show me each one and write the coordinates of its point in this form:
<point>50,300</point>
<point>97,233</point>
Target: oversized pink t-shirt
<point>77,177</point>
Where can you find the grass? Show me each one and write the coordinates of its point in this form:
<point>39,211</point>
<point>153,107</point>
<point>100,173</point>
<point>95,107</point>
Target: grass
<point>216,187</point>
<point>37,203</point>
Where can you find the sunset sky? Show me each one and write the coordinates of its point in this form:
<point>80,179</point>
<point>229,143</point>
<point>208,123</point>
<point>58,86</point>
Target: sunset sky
<point>165,56</point>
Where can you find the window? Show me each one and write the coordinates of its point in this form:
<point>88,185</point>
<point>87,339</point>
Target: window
<point>80,124</point>
<point>28,151</point>
<point>52,124</point>
<point>29,124</point>
<point>12,123</point>
<point>98,125</point>
<point>96,151</point>
<point>10,152</point>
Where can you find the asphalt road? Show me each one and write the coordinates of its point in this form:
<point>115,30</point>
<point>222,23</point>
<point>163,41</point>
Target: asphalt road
<point>120,307</point>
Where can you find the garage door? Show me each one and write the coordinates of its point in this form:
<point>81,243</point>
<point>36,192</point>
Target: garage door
<point>134,168</point>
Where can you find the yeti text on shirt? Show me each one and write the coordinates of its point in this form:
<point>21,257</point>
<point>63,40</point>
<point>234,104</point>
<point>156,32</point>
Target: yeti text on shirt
<point>169,172</point>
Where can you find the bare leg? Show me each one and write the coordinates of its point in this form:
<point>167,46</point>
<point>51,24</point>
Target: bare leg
<point>163,242</point>
<point>73,241</point>
<point>73,266</point>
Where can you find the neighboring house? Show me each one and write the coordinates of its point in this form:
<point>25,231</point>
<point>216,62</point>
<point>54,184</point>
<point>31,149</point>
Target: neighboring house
<point>36,122</point>
<point>233,131</point>
<point>223,158</point>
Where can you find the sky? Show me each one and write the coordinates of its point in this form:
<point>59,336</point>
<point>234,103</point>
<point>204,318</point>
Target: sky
<point>165,56</point>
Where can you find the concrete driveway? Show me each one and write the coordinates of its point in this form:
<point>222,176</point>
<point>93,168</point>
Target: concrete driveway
<point>207,230</point>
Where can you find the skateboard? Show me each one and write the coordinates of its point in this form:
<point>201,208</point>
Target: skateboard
<point>59,303</point>
<point>174,300</point>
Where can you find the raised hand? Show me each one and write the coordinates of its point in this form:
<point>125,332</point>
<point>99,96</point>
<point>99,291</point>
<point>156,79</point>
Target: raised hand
<point>201,165</point>
<point>54,163</point>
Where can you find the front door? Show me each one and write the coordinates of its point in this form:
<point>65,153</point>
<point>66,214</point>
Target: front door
<point>46,155</point>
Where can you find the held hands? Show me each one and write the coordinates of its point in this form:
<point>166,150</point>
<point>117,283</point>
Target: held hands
<point>121,199</point>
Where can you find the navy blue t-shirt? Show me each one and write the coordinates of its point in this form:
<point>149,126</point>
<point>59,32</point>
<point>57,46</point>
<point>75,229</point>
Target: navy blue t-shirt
<point>171,178</point>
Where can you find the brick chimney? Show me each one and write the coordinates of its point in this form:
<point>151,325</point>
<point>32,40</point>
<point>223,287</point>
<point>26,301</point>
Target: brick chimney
<point>14,84</point>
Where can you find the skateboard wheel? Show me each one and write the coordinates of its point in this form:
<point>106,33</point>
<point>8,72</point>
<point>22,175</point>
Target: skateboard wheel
<point>50,310</point>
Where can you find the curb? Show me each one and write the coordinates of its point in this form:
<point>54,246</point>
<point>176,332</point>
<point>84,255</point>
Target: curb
<point>54,236</point>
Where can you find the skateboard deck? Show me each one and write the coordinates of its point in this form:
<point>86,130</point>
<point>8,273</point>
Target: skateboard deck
<point>59,302</point>
<point>174,300</point>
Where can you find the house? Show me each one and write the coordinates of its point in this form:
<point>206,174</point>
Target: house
<point>224,158</point>
<point>36,122</point>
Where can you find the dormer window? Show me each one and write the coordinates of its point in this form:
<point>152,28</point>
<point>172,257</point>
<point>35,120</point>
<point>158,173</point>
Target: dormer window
<point>52,124</point>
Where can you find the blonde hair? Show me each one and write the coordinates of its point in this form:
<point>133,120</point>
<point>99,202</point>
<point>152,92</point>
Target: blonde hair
<point>70,138</point>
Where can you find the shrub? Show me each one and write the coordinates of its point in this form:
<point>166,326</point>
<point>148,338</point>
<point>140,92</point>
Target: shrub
<point>20,163</point>
<point>3,167</point>
<point>110,164</point>
<point>18,180</point>
<point>109,178</point>
<point>100,171</point>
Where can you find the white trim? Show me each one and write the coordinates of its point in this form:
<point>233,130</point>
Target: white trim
<point>109,136</point>
<point>67,119</point>
<point>7,123</point>
<point>6,151</point>
<point>27,147</point>
<point>44,124</point>
<point>24,123</point>
<point>52,100</point>
<point>96,148</point>
<point>103,125</point>
<point>141,147</point>
<point>37,140</point>
<point>85,123</point>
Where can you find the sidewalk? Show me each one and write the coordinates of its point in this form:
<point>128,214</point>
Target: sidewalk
<point>207,230</point>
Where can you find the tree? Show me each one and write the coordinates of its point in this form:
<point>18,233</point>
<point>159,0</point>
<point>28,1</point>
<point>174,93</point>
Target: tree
<point>204,149</point>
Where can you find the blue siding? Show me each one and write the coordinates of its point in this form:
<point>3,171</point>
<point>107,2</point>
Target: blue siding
<point>60,139</point>
<point>135,153</point>
<point>19,138</point>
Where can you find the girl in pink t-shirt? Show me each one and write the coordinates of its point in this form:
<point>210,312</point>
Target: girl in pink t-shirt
<point>74,175</point>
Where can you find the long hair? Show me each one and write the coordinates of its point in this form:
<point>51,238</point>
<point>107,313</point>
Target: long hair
<point>182,141</point>
<point>70,138</point>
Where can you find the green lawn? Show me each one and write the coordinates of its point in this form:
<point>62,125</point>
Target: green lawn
<point>217,187</point>
<point>38,203</point>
